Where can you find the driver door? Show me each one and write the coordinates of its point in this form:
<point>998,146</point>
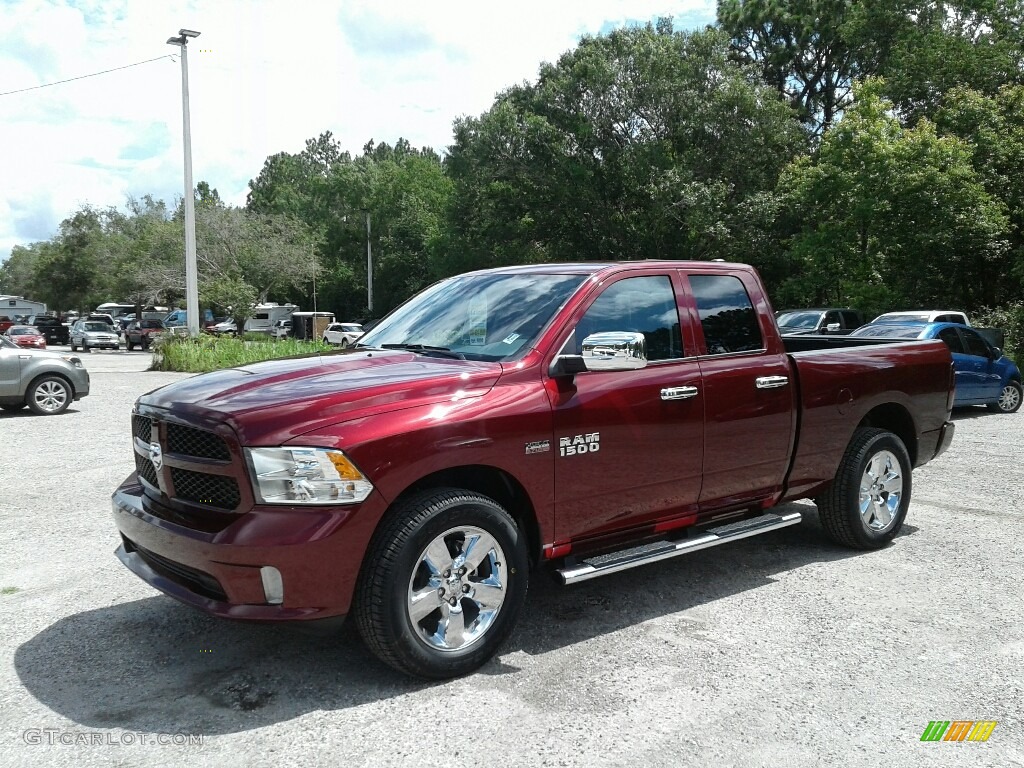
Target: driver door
<point>628,445</point>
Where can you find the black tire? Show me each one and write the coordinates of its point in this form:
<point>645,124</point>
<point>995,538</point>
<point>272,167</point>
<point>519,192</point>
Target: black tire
<point>74,347</point>
<point>85,349</point>
<point>1009,399</point>
<point>398,559</point>
<point>344,343</point>
<point>49,395</point>
<point>145,344</point>
<point>128,345</point>
<point>839,507</point>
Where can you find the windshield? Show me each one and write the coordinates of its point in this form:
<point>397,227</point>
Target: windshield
<point>799,319</point>
<point>96,326</point>
<point>16,331</point>
<point>479,317</point>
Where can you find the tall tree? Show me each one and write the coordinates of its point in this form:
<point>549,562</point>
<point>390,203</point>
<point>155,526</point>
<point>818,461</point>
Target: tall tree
<point>643,143</point>
<point>889,217</point>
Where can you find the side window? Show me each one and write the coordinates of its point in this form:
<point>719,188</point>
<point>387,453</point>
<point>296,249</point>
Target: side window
<point>726,314</point>
<point>830,317</point>
<point>952,339</point>
<point>850,320</point>
<point>974,343</point>
<point>644,305</point>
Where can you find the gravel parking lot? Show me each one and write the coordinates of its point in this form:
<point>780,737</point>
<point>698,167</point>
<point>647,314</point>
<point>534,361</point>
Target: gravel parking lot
<point>778,650</point>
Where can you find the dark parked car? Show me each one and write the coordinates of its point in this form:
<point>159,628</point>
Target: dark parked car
<point>825,321</point>
<point>52,329</point>
<point>141,333</point>
<point>45,381</point>
<point>983,375</point>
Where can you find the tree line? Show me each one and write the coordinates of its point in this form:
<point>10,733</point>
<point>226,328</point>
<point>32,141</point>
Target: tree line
<point>866,154</point>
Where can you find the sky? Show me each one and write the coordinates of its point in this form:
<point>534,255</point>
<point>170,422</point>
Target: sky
<point>264,76</point>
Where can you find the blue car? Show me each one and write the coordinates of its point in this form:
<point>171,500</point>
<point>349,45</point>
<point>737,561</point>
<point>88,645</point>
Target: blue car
<point>983,375</point>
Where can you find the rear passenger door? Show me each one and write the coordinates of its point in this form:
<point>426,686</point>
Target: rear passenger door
<point>10,370</point>
<point>966,376</point>
<point>746,388</point>
<point>986,379</point>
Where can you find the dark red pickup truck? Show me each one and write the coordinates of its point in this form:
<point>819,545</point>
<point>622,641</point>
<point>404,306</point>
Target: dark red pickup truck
<point>584,417</point>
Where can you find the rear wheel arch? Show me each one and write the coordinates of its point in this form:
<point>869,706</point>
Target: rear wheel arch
<point>894,418</point>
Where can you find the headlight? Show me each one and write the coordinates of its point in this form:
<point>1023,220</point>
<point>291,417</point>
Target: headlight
<point>75,361</point>
<point>305,476</point>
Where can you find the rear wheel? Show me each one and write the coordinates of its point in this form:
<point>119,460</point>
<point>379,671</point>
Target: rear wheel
<point>866,504</point>
<point>49,396</point>
<point>128,345</point>
<point>442,583</point>
<point>1009,399</point>
<point>74,347</point>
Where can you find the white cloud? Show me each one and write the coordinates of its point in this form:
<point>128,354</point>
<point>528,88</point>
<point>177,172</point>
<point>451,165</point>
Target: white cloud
<point>265,75</point>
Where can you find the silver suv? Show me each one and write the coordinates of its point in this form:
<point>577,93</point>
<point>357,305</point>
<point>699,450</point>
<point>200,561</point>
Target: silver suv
<point>45,381</point>
<point>93,334</point>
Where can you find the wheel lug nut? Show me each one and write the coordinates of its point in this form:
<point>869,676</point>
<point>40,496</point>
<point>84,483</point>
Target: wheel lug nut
<point>453,602</point>
<point>440,592</point>
<point>465,587</point>
<point>462,571</point>
<point>447,574</point>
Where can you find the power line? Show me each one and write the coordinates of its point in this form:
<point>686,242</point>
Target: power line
<point>94,74</point>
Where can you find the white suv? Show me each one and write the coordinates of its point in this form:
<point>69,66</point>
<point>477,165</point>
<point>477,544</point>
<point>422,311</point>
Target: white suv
<point>344,334</point>
<point>924,316</point>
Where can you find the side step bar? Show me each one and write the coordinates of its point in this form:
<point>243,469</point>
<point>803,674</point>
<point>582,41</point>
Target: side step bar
<point>612,562</point>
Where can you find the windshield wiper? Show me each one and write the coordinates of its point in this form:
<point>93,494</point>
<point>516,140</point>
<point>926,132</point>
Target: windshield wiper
<point>427,350</point>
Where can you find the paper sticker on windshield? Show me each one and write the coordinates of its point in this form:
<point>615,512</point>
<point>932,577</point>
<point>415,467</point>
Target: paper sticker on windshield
<point>478,321</point>
<point>510,339</point>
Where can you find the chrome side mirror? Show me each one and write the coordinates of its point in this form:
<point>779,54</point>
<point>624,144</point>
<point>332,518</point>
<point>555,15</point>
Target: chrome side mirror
<point>615,351</point>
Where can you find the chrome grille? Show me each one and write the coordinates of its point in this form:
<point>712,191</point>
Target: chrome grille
<point>145,469</point>
<point>211,490</point>
<point>196,442</point>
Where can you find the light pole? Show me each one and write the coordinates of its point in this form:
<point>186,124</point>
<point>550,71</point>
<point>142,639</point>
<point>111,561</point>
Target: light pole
<point>191,276</point>
<point>369,267</point>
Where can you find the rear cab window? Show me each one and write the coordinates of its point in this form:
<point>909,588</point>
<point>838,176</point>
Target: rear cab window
<point>726,314</point>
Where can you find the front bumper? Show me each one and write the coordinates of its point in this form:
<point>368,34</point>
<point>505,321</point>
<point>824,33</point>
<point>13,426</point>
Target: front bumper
<point>316,551</point>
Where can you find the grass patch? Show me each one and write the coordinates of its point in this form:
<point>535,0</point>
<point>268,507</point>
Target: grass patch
<point>212,353</point>
<point>9,590</point>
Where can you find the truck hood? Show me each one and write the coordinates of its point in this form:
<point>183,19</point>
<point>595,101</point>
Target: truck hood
<point>272,402</point>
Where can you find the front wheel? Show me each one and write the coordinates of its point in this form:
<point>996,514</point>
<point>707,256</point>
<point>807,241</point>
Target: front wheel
<point>344,343</point>
<point>1009,399</point>
<point>49,396</point>
<point>128,345</point>
<point>442,584</point>
<point>866,503</point>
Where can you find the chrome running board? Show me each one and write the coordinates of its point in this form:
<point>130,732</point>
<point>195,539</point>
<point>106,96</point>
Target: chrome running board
<point>612,562</point>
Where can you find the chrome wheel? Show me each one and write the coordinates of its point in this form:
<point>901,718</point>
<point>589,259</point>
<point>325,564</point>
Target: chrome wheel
<point>1009,399</point>
<point>457,588</point>
<point>881,490</point>
<point>50,396</point>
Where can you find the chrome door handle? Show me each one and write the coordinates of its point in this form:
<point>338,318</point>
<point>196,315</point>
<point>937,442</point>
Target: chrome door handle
<point>771,382</point>
<point>678,393</point>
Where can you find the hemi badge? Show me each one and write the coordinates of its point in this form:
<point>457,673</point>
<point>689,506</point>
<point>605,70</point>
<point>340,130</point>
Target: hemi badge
<point>541,446</point>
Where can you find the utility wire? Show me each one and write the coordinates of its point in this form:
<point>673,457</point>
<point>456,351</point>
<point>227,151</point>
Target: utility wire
<point>94,74</point>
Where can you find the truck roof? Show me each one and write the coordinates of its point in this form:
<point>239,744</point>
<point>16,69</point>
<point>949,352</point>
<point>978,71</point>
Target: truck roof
<point>593,267</point>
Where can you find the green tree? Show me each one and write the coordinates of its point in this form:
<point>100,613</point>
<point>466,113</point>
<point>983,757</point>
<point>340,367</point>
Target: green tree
<point>887,217</point>
<point>643,143</point>
<point>993,126</point>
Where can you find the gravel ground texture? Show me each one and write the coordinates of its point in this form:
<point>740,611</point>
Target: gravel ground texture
<point>783,649</point>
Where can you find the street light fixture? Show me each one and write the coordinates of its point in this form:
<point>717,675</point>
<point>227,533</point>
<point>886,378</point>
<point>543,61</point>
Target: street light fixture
<point>191,271</point>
